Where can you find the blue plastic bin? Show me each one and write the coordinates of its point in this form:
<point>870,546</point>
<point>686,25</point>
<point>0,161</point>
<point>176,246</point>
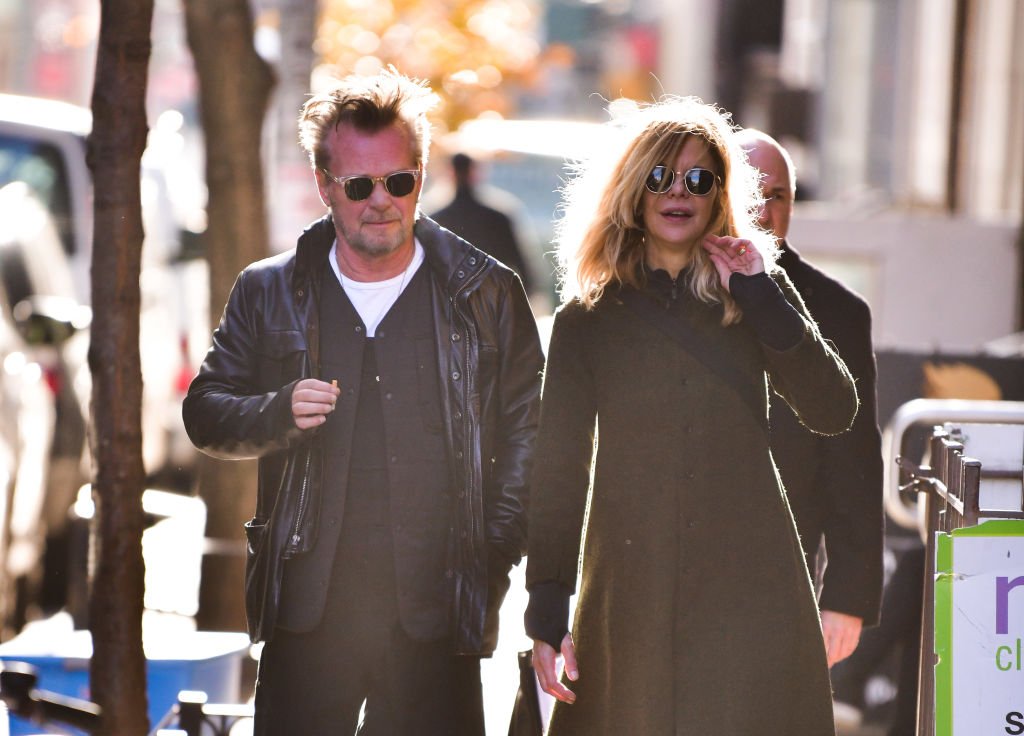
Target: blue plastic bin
<point>198,660</point>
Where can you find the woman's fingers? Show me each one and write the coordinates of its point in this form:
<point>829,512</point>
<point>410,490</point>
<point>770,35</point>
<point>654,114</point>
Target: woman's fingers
<point>732,255</point>
<point>569,657</point>
<point>546,666</point>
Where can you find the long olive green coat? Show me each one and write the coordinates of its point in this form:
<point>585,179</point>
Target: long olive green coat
<point>695,614</point>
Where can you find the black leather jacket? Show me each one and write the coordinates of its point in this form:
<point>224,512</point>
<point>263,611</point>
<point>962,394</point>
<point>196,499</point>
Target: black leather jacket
<point>489,354</point>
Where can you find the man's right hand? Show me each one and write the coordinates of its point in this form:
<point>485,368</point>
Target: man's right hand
<point>312,401</point>
<point>546,667</point>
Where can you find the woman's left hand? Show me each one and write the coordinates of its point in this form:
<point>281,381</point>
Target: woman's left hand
<point>732,255</point>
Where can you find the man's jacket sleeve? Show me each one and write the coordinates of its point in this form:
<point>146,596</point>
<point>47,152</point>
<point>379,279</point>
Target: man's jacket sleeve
<point>854,523</point>
<point>228,413</point>
<point>521,362</point>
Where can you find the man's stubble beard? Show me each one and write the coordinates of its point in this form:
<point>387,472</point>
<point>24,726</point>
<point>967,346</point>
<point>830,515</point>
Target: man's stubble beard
<point>374,248</point>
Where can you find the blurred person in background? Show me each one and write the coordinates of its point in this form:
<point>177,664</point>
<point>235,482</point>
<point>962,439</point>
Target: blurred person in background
<point>696,614</point>
<point>834,484</point>
<point>482,224</point>
<point>387,376</point>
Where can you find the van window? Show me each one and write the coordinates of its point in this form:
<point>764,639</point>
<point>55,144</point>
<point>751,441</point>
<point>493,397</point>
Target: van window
<point>535,181</point>
<point>41,166</point>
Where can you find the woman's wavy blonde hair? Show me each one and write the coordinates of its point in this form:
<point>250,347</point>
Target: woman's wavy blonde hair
<point>599,238</point>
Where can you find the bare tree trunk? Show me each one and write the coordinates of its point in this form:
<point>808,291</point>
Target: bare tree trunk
<point>118,667</point>
<point>234,89</point>
<point>290,180</point>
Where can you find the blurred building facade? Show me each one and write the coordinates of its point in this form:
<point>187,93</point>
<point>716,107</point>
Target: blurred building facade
<point>917,103</point>
<point>905,117</point>
<point>906,120</point>
<point>913,102</point>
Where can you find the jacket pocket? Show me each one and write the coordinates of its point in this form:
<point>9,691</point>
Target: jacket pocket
<point>257,576</point>
<point>290,529</point>
<point>281,356</point>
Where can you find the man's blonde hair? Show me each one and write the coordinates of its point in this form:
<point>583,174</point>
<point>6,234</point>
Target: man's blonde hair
<point>368,104</point>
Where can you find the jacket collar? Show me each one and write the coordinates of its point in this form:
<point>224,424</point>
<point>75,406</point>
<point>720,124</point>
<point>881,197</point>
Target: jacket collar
<point>788,255</point>
<point>311,252</point>
<point>453,261</point>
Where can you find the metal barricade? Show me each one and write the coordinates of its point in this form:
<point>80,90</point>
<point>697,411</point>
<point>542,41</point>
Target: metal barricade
<point>190,716</point>
<point>18,691</point>
<point>948,485</point>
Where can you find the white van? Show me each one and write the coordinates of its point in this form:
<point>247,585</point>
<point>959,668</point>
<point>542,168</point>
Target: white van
<point>43,143</point>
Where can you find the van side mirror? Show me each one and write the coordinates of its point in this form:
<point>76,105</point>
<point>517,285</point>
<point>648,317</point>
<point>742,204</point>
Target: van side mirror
<point>50,320</point>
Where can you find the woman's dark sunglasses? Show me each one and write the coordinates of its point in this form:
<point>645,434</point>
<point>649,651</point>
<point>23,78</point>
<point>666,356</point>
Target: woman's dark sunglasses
<point>697,181</point>
<point>359,187</point>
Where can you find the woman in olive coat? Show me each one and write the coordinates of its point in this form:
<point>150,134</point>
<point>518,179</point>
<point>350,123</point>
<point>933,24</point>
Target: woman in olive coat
<point>653,476</point>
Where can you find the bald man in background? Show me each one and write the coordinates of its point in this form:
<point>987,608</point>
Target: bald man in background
<point>834,484</point>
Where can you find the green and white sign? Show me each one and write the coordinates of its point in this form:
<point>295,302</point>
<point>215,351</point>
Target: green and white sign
<point>979,630</point>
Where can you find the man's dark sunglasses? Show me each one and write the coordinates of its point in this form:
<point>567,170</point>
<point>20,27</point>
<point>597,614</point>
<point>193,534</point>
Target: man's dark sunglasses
<point>697,181</point>
<point>359,187</point>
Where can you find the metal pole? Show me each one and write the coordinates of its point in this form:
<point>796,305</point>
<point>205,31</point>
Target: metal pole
<point>956,103</point>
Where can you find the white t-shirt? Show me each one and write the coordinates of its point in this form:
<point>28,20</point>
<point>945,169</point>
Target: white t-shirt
<point>373,299</point>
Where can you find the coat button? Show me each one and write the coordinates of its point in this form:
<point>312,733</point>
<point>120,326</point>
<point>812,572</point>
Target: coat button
<point>299,292</point>
<point>458,416</point>
<point>472,260</point>
<point>459,454</point>
<point>460,274</point>
<point>359,328</point>
<point>456,337</point>
<point>456,375</point>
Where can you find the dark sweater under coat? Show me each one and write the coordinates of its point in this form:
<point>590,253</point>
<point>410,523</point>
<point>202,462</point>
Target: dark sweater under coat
<point>392,446</point>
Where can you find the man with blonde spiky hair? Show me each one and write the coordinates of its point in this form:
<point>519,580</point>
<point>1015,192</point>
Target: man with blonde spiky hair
<point>387,376</point>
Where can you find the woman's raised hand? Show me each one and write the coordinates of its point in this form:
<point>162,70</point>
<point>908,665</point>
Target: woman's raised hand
<point>732,255</point>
